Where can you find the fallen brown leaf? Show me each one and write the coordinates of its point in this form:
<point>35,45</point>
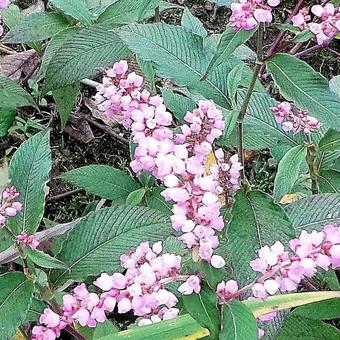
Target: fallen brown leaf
<point>79,129</point>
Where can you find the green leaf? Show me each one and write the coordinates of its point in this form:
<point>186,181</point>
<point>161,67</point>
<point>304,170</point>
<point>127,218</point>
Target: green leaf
<point>329,181</point>
<point>285,301</point>
<point>44,260</point>
<point>302,328</point>
<point>36,27</point>
<point>322,310</point>
<point>234,80</point>
<point>11,15</point>
<point>178,54</point>
<point>330,141</point>
<point>123,12</point>
<point>148,71</point>
<point>80,56</point>
<point>192,23</point>
<point>13,95</point>
<point>155,200</point>
<point>299,82</point>
<point>56,42</point>
<point>75,8</point>
<point>238,323</point>
<point>256,221</point>
<point>230,123</point>
<point>7,118</point>
<point>334,85</point>
<point>203,308</point>
<point>136,197</point>
<point>228,43</point>
<point>65,98</point>
<point>29,172</point>
<point>35,310</point>
<point>288,171</point>
<point>103,181</point>
<point>303,36</point>
<point>103,329</point>
<point>314,211</point>
<point>178,104</point>
<point>96,243</point>
<point>183,327</point>
<point>15,297</point>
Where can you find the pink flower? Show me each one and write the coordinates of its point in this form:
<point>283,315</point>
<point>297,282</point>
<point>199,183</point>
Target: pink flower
<point>295,120</point>
<point>225,290</point>
<point>248,13</point>
<point>217,261</point>
<point>192,284</point>
<point>49,318</point>
<point>27,241</point>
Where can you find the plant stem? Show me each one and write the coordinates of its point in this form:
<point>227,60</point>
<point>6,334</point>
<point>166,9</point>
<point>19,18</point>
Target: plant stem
<point>247,98</point>
<point>307,50</point>
<point>313,168</point>
<point>281,34</point>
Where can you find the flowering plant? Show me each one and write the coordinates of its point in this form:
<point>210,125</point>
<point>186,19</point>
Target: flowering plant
<point>190,246</point>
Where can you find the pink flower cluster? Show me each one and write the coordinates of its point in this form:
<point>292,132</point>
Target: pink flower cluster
<point>327,25</point>
<point>295,120</point>
<point>141,289</point>
<point>27,241</point>
<point>284,272</point>
<point>177,159</point>
<point>247,14</point>
<point>3,4</point>
<point>9,206</point>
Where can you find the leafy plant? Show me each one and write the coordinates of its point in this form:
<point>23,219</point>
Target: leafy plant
<point>184,244</point>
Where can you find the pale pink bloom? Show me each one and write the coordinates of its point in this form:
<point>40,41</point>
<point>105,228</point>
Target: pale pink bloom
<point>49,318</point>
<point>191,285</point>
<point>217,261</point>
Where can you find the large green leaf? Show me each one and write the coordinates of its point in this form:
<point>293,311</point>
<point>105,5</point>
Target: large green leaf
<point>123,12</point>
<point>178,104</point>
<point>183,327</point>
<point>322,310</point>
<point>36,27</point>
<point>228,43</point>
<point>96,243</point>
<point>329,181</point>
<point>103,180</point>
<point>53,46</point>
<point>7,118</point>
<point>65,98</point>
<point>334,85</point>
<point>330,141</point>
<point>80,56</point>
<point>314,211</point>
<point>15,297</point>
<point>238,322</point>
<point>289,170</point>
<point>299,82</point>
<point>256,221</point>
<point>203,308</point>
<point>286,301</point>
<point>178,54</point>
<point>297,327</point>
<point>192,23</point>
<point>29,172</point>
<point>77,9</point>
<point>13,95</point>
